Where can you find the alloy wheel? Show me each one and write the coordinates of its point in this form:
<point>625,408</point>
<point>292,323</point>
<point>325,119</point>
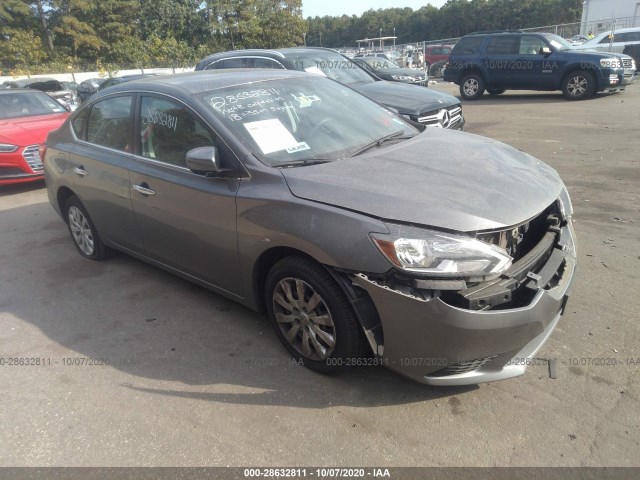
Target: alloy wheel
<point>81,231</point>
<point>304,319</point>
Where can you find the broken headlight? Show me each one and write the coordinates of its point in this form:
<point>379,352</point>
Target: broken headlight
<point>440,254</point>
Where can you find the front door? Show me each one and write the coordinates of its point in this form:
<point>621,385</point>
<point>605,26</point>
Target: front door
<point>187,221</point>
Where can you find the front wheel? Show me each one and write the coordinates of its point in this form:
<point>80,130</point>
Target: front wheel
<point>495,91</point>
<point>311,315</point>
<point>472,87</point>
<point>83,233</point>
<point>578,85</point>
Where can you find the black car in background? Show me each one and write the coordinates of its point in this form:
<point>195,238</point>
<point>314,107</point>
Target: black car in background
<point>88,87</point>
<point>109,82</point>
<point>425,106</point>
<point>388,70</point>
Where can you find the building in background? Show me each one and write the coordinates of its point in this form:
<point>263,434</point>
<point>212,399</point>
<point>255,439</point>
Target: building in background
<point>601,15</point>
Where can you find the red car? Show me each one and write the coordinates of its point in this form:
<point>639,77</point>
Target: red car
<point>435,58</point>
<point>26,118</point>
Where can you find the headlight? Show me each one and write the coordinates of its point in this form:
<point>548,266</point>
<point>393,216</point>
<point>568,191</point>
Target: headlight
<point>401,77</point>
<point>440,254</point>
<point>7,148</point>
<point>566,209</point>
<point>610,63</point>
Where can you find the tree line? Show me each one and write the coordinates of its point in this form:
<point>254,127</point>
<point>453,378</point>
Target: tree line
<point>57,35</point>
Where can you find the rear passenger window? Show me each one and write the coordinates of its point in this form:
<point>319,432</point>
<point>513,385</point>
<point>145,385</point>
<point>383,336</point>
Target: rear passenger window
<point>468,45</point>
<point>110,124</point>
<point>502,45</point>
<point>168,130</point>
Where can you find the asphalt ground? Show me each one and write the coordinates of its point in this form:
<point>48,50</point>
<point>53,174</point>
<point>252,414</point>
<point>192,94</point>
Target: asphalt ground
<point>140,368</point>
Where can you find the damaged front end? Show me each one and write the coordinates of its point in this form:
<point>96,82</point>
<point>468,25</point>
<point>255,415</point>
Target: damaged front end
<point>446,330</point>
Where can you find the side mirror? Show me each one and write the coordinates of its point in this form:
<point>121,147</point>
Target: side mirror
<point>203,160</point>
<point>546,51</point>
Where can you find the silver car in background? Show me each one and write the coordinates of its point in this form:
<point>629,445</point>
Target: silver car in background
<point>366,239</point>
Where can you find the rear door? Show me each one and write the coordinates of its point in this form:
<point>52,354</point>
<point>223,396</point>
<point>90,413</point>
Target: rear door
<point>187,221</point>
<point>99,168</point>
<point>500,58</point>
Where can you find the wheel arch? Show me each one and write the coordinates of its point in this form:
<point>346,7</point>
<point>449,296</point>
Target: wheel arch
<point>63,194</point>
<point>360,301</point>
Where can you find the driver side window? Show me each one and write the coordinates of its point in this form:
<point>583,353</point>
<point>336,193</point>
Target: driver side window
<point>531,45</point>
<point>168,130</point>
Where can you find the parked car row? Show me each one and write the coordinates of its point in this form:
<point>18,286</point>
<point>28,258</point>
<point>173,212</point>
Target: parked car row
<point>364,235</point>
<point>420,105</point>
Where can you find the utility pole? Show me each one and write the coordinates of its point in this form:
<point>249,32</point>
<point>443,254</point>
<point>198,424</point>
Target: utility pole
<point>320,38</point>
<point>394,39</point>
<point>380,39</point>
<point>304,36</point>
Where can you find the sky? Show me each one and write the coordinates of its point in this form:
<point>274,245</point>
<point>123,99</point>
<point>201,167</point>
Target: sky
<point>312,8</point>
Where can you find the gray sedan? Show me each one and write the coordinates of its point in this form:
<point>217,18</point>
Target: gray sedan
<point>366,239</point>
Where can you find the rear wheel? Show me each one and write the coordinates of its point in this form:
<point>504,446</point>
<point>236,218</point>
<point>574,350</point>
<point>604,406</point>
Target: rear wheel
<point>495,91</point>
<point>578,85</point>
<point>472,87</point>
<point>311,315</point>
<point>83,233</point>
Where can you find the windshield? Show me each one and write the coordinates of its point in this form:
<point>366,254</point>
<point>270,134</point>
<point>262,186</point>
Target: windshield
<point>329,64</point>
<point>303,119</point>
<point>381,63</point>
<point>13,105</point>
<point>557,42</point>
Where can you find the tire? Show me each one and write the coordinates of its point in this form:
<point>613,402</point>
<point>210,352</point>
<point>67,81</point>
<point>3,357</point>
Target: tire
<point>330,343</point>
<point>472,87</point>
<point>83,233</point>
<point>495,91</point>
<point>578,85</point>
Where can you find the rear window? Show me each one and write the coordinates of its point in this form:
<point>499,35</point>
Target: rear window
<point>503,45</point>
<point>468,45</point>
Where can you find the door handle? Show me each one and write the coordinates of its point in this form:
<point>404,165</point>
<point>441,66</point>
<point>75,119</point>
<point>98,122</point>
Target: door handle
<point>143,189</point>
<point>80,171</point>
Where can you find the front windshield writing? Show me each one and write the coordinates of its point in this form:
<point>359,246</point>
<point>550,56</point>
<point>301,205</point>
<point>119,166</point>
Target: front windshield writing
<point>302,118</point>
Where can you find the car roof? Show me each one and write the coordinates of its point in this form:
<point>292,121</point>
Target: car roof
<point>28,81</point>
<point>279,53</point>
<point>203,81</point>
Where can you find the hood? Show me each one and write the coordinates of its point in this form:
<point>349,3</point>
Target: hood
<point>440,178</point>
<point>401,71</point>
<point>407,99</point>
<point>25,131</point>
<point>591,52</point>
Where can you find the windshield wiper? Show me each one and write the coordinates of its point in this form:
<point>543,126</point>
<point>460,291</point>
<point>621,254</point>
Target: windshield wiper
<point>379,142</point>
<point>302,163</point>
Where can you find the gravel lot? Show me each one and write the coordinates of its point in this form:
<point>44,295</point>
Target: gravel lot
<point>196,380</point>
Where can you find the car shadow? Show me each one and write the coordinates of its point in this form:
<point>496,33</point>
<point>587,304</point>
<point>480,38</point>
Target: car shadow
<point>168,336</point>
<point>17,188</point>
<point>518,98</point>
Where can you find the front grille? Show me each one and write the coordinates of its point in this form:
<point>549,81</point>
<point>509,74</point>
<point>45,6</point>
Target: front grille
<point>32,155</point>
<point>627,63</point>
<point>449,117</point>
<point>463,367</point>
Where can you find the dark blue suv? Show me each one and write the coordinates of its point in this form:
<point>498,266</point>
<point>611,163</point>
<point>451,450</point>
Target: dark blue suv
<point>499,61</point>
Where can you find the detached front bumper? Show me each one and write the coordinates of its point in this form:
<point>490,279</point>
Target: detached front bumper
<point>435,343</point>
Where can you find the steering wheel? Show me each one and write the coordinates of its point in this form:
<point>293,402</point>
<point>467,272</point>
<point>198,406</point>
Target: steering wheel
<point>319,125</point>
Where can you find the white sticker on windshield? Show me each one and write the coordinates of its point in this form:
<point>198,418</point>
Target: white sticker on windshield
<point>315,71</point>
<point>306,100</point>
<point>299,148</point>
<point>271,135</point>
